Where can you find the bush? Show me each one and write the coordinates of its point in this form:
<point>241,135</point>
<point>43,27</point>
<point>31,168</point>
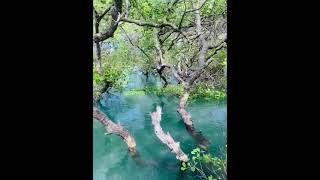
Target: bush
<point>206,166</point>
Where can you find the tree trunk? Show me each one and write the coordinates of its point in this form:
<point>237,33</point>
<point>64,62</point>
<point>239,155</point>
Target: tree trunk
<point>97,44</point>
<point>147,75</point>
<point>160,72</point>
<point>98,63</point>
<point>186,117</point>
<point>166,138</point>
<point>116,129</point>
<point>201,141</point>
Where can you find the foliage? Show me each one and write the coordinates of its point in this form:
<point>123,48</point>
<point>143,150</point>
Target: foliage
<point>201,91</point>
<point>207,93</point>
<point>175,90</point>
<point>125,53</point>
<point>135,92</point>
<point>206,166</point>
<point>116,65</point>
<point>215,7</point>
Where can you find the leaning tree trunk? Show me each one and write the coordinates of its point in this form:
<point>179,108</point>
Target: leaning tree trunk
<point>116,129</point>
<point>201,141</point>
<point>186,117</point>
<point>166,138</point>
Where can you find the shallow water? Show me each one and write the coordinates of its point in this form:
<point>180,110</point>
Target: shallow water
<point>111,160</point>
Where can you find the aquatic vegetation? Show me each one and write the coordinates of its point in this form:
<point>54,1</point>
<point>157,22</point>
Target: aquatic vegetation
<point>200,92</point>
<point>175,90</point>
<point>208,93</point>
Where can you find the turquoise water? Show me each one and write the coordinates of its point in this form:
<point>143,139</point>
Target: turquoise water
<point>111,160</point>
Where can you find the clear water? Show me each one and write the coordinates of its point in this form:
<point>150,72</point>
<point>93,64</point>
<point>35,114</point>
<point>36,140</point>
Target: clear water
<point>111,160</point>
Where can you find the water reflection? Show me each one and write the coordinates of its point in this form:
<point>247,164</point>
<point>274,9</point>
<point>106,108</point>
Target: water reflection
<point>111,158</point>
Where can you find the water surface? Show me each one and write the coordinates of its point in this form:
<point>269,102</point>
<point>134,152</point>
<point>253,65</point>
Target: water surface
<point>111,160</point>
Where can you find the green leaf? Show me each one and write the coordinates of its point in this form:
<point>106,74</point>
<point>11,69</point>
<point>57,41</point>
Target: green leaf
<point>210,177</point>
<point>183,168</point>
<point>183,164</point>
<point>193,169</point>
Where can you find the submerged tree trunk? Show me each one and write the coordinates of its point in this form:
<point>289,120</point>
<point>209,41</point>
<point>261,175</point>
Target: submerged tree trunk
<point>186,117</point>
<point>116,129</point>
<point>201,141</point>
<point>166,138</point>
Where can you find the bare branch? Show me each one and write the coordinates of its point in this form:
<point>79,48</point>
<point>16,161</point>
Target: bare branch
<point>136,44</point>
<point>99,18</point>
<point>188,11</point>
<point>115,14</point>
<point>101,36</point>
<point>165,38</point>
<point>173,41</point>
<point>196,9</point>
<point>175,2</point>
<point>203,44</point>
<point>149,24</point>
<point>154,25</point>
<point>222,45</point>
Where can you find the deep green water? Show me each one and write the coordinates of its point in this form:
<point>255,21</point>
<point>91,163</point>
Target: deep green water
<point>111,160</point>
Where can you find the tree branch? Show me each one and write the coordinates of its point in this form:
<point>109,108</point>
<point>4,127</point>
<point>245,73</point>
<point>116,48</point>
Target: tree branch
<point>115,14</point>
<point>136,45</point>
<point>196,9</point>
<point>154,25</point>
<point>216,49</point>
<point>99,17</point>
<point>188,11</point>
<point>101,36</point>
<point>149,24</point>
<point>203,44</point>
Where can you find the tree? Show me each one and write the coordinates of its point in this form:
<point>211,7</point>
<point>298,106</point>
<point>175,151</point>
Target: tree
<point>187,38</point>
